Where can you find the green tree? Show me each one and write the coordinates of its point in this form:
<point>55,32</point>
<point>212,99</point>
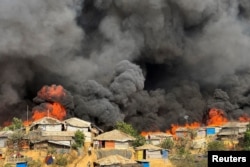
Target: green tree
<point>79,139</point>
<point>16,124</point>
<point>126,128</point>
<point>216,146</point>
<point>246,140</point>
<point>129,129</point>
<point>167,144</point>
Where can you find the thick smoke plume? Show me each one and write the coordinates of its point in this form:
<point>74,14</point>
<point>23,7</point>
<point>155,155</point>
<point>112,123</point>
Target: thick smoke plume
<point>149,63</point>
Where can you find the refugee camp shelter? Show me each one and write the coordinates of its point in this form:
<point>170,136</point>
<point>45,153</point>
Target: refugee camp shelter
<point>50,132</point>
<point>201,133</point>
<point>182,132</point>
<point>114,139</point>
<point>233,129</point>
<point>157,138</point>
<point>148,151</point>
<point>74,124</point>
<point>4,137</point>
<point>115,161</point>
<point>47,124</point>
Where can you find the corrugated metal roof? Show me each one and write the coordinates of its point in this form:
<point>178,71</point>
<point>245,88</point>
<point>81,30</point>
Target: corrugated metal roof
<point>46,121</point>
<point>62,143</point>
<point>77,122</point>
<point>235,124</point>
<point>148,147</point>
<point>226,132</point>
<point>114,135</point>
<point>115,159</point>
<point>51,138</point>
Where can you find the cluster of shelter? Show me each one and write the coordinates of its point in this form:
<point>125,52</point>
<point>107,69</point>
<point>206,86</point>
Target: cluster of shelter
<point>49,132</point>
<point>229,133</point>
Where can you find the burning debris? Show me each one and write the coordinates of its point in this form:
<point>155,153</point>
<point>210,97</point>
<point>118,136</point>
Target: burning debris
<point>149,63</point>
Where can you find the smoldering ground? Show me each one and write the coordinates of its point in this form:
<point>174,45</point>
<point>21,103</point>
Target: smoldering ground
<point>148,62</point>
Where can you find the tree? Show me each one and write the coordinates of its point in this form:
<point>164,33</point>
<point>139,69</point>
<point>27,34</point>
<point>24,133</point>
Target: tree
<point>246,139</point>
<point>167,144</point>
<point>126,128</point>
<point>216,146</point>
<point>16,124</point>
<point>129,129</point>
<point>79,139</point>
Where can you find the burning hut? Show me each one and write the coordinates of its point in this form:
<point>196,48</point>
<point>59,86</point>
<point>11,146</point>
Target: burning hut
<point>114,139</point>
<point>233,129</point>
<point>47,124</point>
<point>49,132</point>
<point>157,138</point>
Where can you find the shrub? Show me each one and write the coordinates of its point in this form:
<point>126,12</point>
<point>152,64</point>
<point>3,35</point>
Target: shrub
<point>167,144</point>
<point>61,160</point>
<point>216,146</point>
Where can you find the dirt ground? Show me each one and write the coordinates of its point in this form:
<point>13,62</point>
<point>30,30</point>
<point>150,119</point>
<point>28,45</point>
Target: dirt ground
<point>83,160</point>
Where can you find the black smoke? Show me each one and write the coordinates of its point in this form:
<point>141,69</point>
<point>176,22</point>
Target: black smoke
<point>147,62</point>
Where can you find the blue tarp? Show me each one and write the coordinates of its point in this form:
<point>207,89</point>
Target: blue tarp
<point>21,164</point>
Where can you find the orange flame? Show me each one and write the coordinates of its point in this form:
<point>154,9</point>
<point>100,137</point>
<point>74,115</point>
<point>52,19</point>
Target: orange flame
<point>55,110</point>
<point>216,117</point>
<point>173,129</point>
<point>244,118</point>
<point>143,133</point>
<point>53,91</point>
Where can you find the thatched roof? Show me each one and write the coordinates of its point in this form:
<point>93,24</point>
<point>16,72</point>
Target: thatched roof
<point>148,147</point>
<point>77,122</point>
<point>114,159</point>
<point>38,139</point>
<point>114,135</point>
<point>46,121</point>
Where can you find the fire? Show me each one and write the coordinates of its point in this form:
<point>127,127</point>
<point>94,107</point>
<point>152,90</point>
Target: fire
<point>216,117</point>
<point>173,129</point>
<point>50,92</point>
<point>143,133</point>
<point>52,109</point>
<point>55,110</point>
<point>244,118</point>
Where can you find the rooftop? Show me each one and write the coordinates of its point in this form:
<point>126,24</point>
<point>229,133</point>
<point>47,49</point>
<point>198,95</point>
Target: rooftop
<point>77,122</point>
<point>148,147</point>
<point>114,135</point>
<point>114,159</point>
<point>46,121</point>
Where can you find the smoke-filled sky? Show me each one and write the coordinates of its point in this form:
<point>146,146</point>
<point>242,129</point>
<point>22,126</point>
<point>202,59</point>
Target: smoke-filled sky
<point>147,62</point>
